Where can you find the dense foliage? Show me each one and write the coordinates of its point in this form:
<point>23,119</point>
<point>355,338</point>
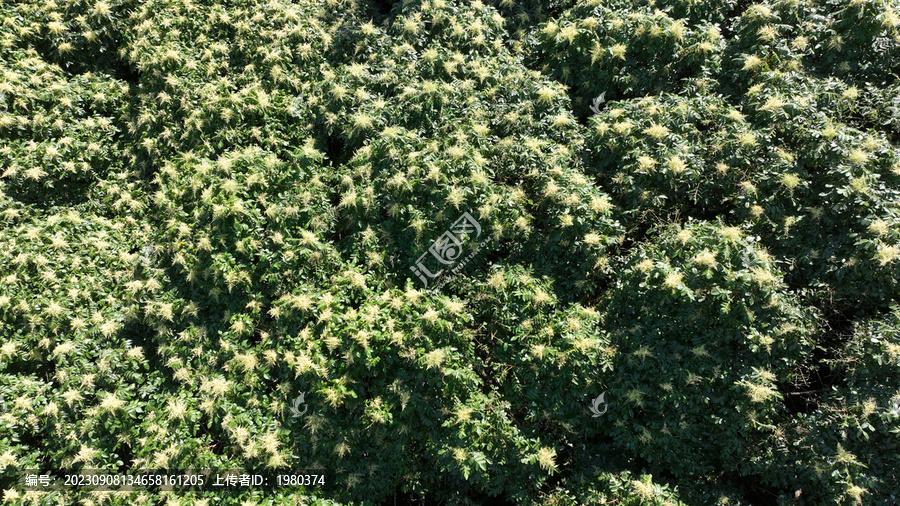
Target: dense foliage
<point>687,215</point>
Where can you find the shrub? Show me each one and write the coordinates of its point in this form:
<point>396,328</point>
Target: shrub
<point>704,331</point>
<point>211,210</point>
<point>625,53</point>
<point>845,451</point>
<point>59,131</point>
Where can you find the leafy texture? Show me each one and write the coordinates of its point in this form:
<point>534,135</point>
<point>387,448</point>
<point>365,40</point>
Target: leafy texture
<point>677,282</point>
